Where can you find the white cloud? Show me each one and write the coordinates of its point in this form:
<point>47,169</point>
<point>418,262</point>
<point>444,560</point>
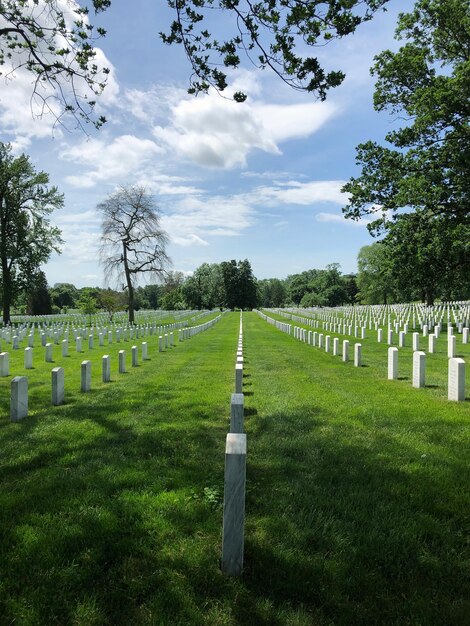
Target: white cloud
<point>294,192</point>
<point>216,132</point>
<point>193,219</point>
<point>117,160</point>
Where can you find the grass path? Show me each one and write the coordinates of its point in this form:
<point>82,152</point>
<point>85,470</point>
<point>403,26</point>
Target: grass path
<point>357,495</point>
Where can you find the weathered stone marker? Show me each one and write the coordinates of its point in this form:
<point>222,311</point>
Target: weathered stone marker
<point>144,351</point>
<point>135,359</point>
<point>19,398</point>
<point>65,347</point>
<point>85,384</point>
<point>456,380</point>
<point>236,413</point>
<point>392,363</point>
<point>106,368</point>
<point>4,364</point>
<point>160,344</point>
<point>234,505</point>
<point>58,387</point>
<point>451,346</point>
<point>122,361</point>
<point>357,354</point>
<point>419,369</point>
<point>416,342</point>
<point>345,350</point>
<point>432,343</point>
<point>48,352</point>
<point>238,378</point>
<point>28,358</point>
<point>335,346</point>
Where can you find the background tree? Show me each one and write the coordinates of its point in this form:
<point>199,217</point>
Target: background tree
<point>374,278</point>
<point>27,238</point>
<point>110,301</point>
<point>205,288</point>
<point>87,305</point>
<point>38,299</point>
<point>428,256</point>
<point>64,295</point>
<point>133,244</point>
<point>426,82</point>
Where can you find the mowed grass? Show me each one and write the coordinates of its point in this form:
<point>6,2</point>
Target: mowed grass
<point>357,506</point>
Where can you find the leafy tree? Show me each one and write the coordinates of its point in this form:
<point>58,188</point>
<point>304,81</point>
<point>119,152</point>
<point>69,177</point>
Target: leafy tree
<point>64,295</point>
<point>268,33</point>
<point>428,256</point>
<point>110,301</point>
<point>205,288</point>
<point>87,305</point>
<point>26,236</point>
<point>133,244</point>
<point>57,48</point>
<point>375,278</point>
<point>153,294</point>
<point>351,288</point>
<point>239,284</point>
<point>426,82</point>
<point>38,299</point>
<point>271,292</point>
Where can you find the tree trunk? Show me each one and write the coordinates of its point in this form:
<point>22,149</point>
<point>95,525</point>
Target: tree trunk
<point>130,288</point>
<point>6,291</point>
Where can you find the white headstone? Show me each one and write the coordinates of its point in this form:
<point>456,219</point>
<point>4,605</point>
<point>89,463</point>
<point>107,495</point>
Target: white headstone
<point>106,368</point>
<point>345,350</point>
<point>357,354</point>
<point>58,387</point>
<point>85,376</point>
<point>28,358</point>
<point>419,369</point>
<point>234,505</point>
<point>19,398</point>
<point>456,380</point>
<point>392,363</point>
<point>122,361</point>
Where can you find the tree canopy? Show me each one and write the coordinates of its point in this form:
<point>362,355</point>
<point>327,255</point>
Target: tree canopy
<point>426,83</point>
<point>27,238</point>
<point>55,42</point>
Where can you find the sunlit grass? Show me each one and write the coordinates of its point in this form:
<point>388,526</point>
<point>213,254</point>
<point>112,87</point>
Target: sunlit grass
<point>357,492</point>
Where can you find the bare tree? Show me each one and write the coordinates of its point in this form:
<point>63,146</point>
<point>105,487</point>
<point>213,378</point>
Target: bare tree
<point>132,241</point>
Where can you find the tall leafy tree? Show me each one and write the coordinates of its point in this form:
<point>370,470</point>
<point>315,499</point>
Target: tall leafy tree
<point>133,243</point>
<point>429,256</point>
<point>38,298</point>
<point>426,164</point>
<point>375,278</point>
<point>27,237</point>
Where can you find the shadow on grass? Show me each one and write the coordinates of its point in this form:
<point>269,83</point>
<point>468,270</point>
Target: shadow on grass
<point>118,521</point>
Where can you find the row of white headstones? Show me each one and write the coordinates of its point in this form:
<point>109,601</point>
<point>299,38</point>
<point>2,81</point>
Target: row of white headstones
<point>456,366</point>
<point>19,384</point>
<point>233,530</point>
<point>413,314</point>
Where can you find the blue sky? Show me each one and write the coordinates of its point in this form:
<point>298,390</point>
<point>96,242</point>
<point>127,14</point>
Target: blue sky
<point>259,180</point>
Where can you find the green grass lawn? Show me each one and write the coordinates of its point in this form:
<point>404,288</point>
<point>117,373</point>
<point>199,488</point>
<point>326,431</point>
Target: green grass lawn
<point>357,506</point>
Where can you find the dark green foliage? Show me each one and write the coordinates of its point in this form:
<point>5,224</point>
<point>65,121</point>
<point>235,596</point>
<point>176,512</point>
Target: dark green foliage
<point>38,299</point>
<point>64,295</point>
<point>274,35</point>
<point>427,83</point>
<point>319,287</point>
<point>26,237</point>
